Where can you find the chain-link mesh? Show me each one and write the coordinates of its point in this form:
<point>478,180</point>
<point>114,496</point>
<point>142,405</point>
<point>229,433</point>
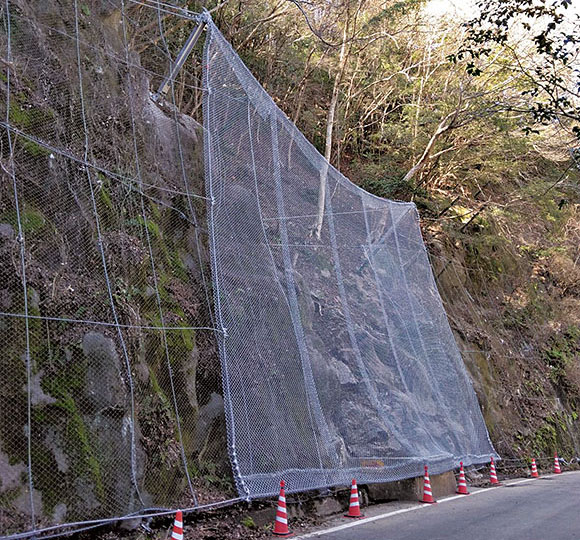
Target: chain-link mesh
<point>336,354</point>
<point>337,357</point>
<point>110,393</point>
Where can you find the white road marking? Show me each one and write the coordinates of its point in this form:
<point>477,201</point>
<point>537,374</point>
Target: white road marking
<point>355,523</point>
<point>411,509</point>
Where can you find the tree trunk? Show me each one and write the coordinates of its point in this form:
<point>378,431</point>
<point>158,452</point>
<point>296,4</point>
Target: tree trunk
<point>329,130</point>
<point>445,125</point>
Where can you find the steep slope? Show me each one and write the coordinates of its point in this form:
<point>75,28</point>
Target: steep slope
<point>110,238</point>
<point>115,368</point>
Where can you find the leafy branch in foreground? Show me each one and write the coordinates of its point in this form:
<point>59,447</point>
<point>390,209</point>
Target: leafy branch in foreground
<point>548,60</point>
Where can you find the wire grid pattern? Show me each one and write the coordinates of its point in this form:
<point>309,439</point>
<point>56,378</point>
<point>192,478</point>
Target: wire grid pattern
<point>113,410</point>
<point>337,357</point>
<point>110,392</point>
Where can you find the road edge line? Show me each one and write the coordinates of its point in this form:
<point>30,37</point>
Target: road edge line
<point>409,509</point>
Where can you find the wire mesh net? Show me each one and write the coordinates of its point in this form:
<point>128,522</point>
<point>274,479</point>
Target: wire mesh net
<point>337,357</point>
<point>110,393</point>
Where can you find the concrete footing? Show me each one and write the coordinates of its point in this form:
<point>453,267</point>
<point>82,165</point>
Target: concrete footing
<point>411,489</point>
<point>326,505</point>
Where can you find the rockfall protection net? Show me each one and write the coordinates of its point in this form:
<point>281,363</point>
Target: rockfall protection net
<point>337,357</point>
<point>110,387</point>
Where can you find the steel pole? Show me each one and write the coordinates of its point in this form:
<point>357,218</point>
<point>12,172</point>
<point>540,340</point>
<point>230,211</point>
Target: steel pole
<point>179,61</point>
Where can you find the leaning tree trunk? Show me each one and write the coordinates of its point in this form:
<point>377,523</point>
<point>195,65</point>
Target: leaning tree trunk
<point>329,131</point>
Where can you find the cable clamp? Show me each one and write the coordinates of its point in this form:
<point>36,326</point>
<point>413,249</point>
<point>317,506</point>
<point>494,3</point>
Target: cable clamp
<point>205,17</point>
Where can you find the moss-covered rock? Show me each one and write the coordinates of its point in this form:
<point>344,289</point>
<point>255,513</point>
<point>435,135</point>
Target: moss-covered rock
<point>110,408</point>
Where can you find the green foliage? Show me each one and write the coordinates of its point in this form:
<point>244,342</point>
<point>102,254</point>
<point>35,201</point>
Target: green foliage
<point>34,149</point>
<point>249,522</point>
<point>79,438</point>
<point>551,94</point>
<point>553,436</point>
<point>395,93</point>
<point>212,475</point>
<point>379,182</point>
<point>152,227</point>
<point>125,293</point>
<point>562,354</point>
<point>180,341</point>
<point>19,117</point>
<point>25,116</point>
<point>105,198</point>
<point>544,440</point>
<point>31,220</point>
<point>487,251</point>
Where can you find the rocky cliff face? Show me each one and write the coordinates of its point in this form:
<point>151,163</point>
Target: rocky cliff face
<point>113,370</point>
<point>520,338</point>
<point>103,243</point>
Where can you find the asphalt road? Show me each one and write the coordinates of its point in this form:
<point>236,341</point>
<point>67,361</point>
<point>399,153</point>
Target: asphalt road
<point>543,509</point>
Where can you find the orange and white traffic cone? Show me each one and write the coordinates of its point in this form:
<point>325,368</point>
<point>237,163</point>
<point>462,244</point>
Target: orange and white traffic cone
<point>557,469</point>
<point>281,522</point>
<point>492,474</point>
<point>354,505</point>
<point>177,533</point>
<point>427,493</point>
<point>534,469</point>
<point>462,484</point>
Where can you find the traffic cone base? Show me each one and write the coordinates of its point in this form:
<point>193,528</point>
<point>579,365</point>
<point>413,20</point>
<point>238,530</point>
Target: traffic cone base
<point>354,504</point>
<point>281,522</point>
<point>427,493</point>
<point>461,483</point>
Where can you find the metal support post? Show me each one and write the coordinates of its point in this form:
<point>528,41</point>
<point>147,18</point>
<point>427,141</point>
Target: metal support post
<point>179,61</point>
